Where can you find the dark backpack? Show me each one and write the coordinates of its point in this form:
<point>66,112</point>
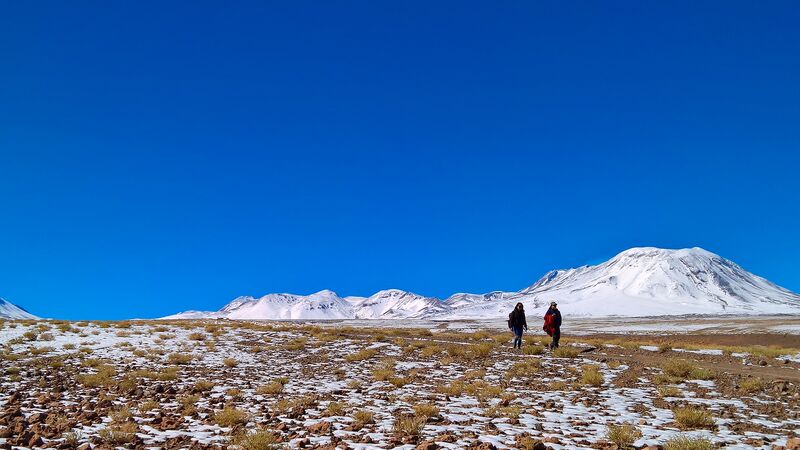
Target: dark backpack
<point>509,320</point>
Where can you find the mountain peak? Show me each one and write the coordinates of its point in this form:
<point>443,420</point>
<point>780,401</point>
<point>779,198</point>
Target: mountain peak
<point>11,311</point>
<point>664,252</point>
<point>640,281</point>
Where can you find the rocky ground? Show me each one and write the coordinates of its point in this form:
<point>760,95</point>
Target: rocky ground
<point>270,385</point>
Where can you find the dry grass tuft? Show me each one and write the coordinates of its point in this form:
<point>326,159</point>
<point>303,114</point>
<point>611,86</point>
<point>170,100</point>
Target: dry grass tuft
<point>409,425</point>
<point>230,417</point>
<point>591,376</point>
<point>532,350</point>
<point>566,352</point>
<point>203,385</point>
<point>361,355</point>
<point>752,385</point>
<point>257,440</point>
<point>230,362</point>
<point>426,410</point>
<point>179,358</point>
<point>682,369</point>
<point>691,417</point>
<point>669,391</point>
<point>688,443</point>
<point>363,417</point>
<point>623,435</point>
<point>335,409</point>
<point>271,388</point>
<point>512,412</point>
<point>525,368</point>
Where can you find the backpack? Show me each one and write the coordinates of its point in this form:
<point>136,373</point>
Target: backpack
<point>549,324</point>
<point>509,320</point>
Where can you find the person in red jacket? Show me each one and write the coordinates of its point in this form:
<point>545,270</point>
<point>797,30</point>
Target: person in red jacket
<point>552,324</point>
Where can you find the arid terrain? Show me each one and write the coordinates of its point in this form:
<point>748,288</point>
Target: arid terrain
<point>260,385</point>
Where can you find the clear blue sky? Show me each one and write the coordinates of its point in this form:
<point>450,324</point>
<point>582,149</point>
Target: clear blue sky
<point>163,156</point>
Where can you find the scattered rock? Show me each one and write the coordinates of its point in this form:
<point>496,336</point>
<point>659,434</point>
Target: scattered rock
<point>322,427</point>
<point>427,445</point>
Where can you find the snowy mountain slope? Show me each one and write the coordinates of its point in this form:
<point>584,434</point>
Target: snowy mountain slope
<point>9,310</point>
<point>397,304</point>
<point>638,282</point>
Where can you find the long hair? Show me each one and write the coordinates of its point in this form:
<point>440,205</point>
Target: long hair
<point>520,306</point>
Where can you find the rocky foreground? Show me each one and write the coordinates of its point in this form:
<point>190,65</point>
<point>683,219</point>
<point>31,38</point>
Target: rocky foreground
<point>214,384</point>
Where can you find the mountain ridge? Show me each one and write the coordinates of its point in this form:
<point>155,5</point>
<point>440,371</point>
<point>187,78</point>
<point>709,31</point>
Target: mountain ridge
<point>638,282</point>
<point>11,311</point>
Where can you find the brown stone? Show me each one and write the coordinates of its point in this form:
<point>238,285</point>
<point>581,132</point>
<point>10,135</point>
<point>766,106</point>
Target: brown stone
<point>427,445</point>
<point>793,444</point>
<point>35,441</point>
<point>483,446</point>
<point>320,428</point>
<point>449,438</point>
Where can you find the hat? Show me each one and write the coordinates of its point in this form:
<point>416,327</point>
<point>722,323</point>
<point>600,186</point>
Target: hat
<point>553,303</point>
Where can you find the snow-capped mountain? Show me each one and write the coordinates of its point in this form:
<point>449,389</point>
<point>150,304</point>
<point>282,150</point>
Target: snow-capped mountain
<point>396,304</point>
<point>9,310</point>
<point>638,282</point>
<point>647,281</point>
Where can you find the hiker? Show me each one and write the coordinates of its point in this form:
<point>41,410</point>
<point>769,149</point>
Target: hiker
<point>516,321</point>
<point>552,324</point>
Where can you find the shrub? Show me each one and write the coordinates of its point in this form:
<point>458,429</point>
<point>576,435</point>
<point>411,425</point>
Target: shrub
<point>481,350</point>
<point>73,438</point>
<point>103,377</point>
<point>566,352</point>
<point>230,362</point>
<point>683,369</point>
<point>591,376</point>
<point>399,382</point>
<point>669,391</point>
<point>230,417</point>
<point>426,410</point>
<point>30,335</point>
<point>688,443</point>
<point>511,412</point>
<point>271,388</point>
<point>203,385</point>
<point>148,405</point>
<point>197,336</point>
<point>430,351</point>
<point>380,374</point>
<point>533,350</point>
<point>525,368</point>
<point>257,440</point>
<point>335,409</point>
<point>363,417</point>
<point>296,344</point>
<point>188,404</point>
<point>752,385</point>
<point>361,355</point>
<point>179,358</point>
<point>623,435</point>
<point>614,364</point>
<point>693,417</point>
<point>409,425</point>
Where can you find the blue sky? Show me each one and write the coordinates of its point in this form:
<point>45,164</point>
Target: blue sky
<point>157,157</point>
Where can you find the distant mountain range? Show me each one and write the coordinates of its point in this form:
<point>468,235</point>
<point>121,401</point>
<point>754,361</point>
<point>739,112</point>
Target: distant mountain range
<point>9,310</point>
<point>638,282</point>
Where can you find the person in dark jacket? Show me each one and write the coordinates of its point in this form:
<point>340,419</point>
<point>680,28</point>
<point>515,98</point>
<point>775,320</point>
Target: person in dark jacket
<point>517,322</point>
<point>555,322</point>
